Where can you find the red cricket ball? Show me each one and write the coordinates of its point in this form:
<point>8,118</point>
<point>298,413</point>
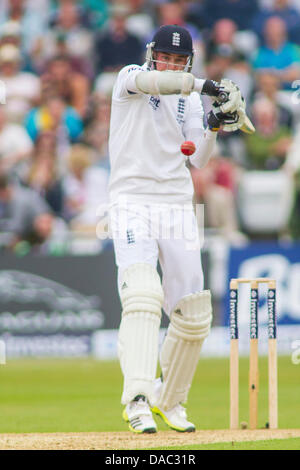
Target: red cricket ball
<point>188,148</point>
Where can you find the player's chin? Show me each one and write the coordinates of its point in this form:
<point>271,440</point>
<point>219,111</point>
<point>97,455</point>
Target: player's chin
<point>161,68</point>
<point>179,68</point>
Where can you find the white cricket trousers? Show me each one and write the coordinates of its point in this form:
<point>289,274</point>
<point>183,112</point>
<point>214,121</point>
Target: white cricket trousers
<point>144,233</point>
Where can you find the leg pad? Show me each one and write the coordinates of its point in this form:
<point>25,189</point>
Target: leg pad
<point>142,298</point>
<point>189,326</point>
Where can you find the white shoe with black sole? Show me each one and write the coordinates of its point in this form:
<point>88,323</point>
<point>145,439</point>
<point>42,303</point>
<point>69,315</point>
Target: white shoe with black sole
<point>139,416</point>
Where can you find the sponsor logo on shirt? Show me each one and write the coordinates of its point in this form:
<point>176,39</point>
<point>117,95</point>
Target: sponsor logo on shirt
<point>131,69</point>
<point>154,102</point>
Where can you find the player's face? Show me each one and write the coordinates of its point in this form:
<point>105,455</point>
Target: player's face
<point>166,61</point>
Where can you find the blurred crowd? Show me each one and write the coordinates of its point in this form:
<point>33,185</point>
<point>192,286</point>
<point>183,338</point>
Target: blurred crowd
<point>58,64</point>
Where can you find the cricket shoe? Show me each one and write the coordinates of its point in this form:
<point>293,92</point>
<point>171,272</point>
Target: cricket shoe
<point>138,416</point>
<point>176,417</point>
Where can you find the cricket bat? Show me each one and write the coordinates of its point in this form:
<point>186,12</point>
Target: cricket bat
<point>248,127</point>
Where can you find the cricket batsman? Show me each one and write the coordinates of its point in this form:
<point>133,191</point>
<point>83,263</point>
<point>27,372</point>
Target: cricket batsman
<point>155,108</point>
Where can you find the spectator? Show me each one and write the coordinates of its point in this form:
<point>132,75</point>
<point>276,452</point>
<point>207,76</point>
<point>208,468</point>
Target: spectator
<point>67,35</point>
<point>284,10</point>
<point>215,187</point>
<point>92,12</point>
<point>61,79</point>
<point>22,211</point>
<point>220,59</point>
<point>43,173</point>
<point>41,7</point>
<point>22,88</point>
<point>10,33</point>
<point>140,21</point>
<point>278,55</point>
<point>210,11</point>
<point>31,21</point>
<point>116,47</point>
<point>55,116</point>
<point>96,135</point>
<point>99,11</point>
<point>225,35</point>
<point>173,12</point>
<point>85,188</point>
<point>82,12</point>
<point>268,146</point>
<point>15,146</point>
<point>222,36</point>
<point>225,58</point>
<point>50,234</point>
<point>268,86</point>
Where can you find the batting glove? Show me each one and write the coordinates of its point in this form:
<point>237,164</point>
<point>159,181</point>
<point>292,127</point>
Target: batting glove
<point>229,121</point>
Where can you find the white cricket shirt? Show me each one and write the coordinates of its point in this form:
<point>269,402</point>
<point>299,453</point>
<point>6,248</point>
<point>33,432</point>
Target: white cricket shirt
<point>146,133</point>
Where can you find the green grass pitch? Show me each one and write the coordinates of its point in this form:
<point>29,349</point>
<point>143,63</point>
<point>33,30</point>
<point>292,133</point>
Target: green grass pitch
<point>40,395</point>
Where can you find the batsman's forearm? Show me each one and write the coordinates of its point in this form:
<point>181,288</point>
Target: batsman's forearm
<point>205,142</point>
<point>169,82</point>
<point>165,83</point>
